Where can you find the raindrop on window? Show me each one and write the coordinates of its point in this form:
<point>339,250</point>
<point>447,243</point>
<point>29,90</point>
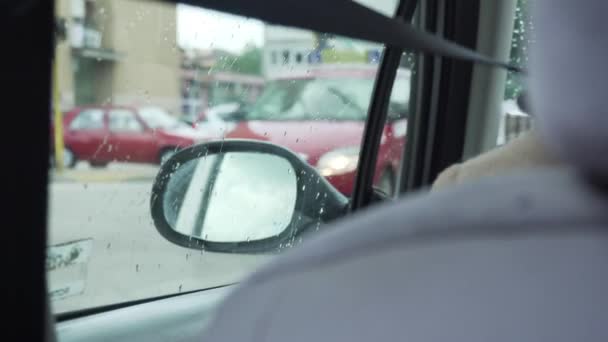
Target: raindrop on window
<point>180,288</point>
<point>303,187</point>
<point>137,268</point>
<point>109,245</point>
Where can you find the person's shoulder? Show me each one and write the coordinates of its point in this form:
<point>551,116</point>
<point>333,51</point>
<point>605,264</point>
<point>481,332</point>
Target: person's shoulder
<point>447,177</point>
<point>526,151</point>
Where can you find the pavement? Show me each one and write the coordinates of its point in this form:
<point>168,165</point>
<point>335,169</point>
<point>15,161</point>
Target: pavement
<point>103,247</point>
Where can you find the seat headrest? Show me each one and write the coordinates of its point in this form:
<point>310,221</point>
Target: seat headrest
<point>569,80</point>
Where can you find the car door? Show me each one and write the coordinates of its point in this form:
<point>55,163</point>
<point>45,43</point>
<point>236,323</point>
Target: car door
<point>86,135</point>
<point>129,262</point>
<point>129,139</point>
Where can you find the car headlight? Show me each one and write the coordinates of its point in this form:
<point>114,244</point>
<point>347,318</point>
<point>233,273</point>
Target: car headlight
<point>338,161</point>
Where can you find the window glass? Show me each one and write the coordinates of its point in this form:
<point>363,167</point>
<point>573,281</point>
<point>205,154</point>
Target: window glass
<point>195,76</point>
<point>158,118</point>
<point>88,119</point>
<point>122,120</point>
<point>515,117</point>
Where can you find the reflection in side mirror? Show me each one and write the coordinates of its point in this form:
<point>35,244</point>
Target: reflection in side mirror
<point>240,196</point>
<point>210,193</point>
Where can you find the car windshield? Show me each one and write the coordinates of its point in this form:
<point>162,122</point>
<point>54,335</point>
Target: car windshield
<point>313,99</point>
<point>157,118</point>
<point>343,99</point>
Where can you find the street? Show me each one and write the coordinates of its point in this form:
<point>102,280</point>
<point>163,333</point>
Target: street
<point>128,259</point>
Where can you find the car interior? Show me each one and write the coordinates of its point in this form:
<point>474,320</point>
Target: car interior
<point>509,245</point>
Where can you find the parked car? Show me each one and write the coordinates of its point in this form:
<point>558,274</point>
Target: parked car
<point>321,115</point>
<point>101,134</point>
<point>217,121</point>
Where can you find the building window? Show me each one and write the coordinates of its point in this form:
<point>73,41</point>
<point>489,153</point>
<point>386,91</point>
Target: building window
<point>286,57</point>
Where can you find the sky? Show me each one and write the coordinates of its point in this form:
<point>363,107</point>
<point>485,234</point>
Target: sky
<point>205,29</point>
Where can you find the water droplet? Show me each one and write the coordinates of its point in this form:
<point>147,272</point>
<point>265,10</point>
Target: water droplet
<point>137,268</point>
<point>321,210</point>
<point>180,288</point>
<point>317,196</point>
<point>109,245</point>
<point>285,133</point>
<point>159,266</point>
<point>85,185</point>
<point>303,187</point>
<point>289,171</point>
<point>297,140</point>
<point>265,133</point>
<point>187,256</point>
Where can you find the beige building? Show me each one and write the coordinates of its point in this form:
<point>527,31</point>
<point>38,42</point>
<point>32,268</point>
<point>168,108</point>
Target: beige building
<point>118,52</point>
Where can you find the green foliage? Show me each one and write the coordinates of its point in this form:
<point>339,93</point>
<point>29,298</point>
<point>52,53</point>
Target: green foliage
<point>248,62</point>
<point>522,36</point>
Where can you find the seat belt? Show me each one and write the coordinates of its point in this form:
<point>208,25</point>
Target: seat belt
<point>350,19</point>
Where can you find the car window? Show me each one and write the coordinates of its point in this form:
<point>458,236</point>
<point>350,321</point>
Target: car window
<point>88,119</point>
<point>158,118</point>
<point>307,92</point>
<point>122,120</point>
<point>516,120</point>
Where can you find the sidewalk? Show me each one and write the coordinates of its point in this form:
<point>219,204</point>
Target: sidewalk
<point>113,173</point>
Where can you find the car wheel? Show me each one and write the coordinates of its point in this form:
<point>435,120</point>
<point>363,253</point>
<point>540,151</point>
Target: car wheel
<point>98,164</point>
<point>69,159</point>
<point>387,182</point>
<point>166,154</point>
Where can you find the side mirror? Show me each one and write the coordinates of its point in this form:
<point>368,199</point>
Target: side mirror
<point>241,196</point>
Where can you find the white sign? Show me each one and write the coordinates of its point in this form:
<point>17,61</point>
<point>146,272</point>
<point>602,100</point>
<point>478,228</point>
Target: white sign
<point>66,265</point>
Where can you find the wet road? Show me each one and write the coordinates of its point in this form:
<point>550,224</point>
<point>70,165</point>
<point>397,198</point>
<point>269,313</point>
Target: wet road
<point>128,259</point>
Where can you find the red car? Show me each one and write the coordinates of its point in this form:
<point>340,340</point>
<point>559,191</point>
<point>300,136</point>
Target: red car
<point>101,134</point>
<point>321,115</point>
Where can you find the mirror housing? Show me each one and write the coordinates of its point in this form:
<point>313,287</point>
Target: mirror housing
<point>315,201</point>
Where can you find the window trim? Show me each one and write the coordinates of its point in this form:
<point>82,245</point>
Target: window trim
<point>377,113</point>
<point>440,109</point>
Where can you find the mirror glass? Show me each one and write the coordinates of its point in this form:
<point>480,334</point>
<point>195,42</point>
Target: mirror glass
<point>231,197</point>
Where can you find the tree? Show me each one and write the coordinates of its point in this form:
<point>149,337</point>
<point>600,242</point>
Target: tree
<point>248,62</point>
